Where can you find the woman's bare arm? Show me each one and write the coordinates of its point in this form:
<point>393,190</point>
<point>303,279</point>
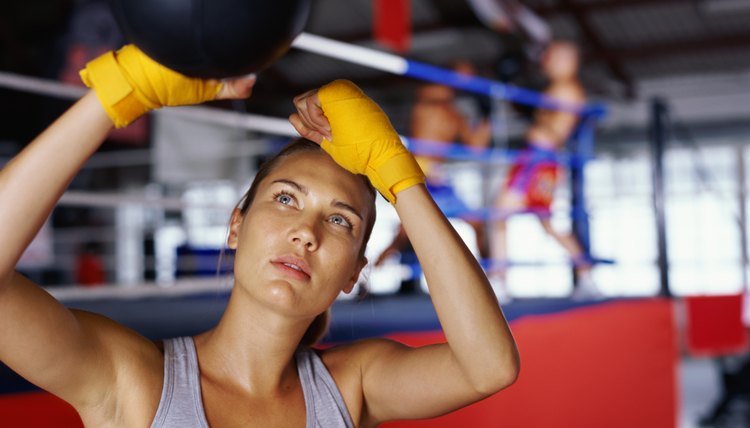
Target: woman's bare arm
<point>71,354</point>
<point>39,338</point>
<point>480,356</point>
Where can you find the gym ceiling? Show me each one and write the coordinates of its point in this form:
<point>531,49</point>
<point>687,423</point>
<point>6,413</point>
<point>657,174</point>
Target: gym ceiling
<point>625,42</point>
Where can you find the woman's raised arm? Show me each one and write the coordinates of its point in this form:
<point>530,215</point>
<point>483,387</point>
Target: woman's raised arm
<point>67,352</point>
<point>480,356</point>
<point>32,182</point>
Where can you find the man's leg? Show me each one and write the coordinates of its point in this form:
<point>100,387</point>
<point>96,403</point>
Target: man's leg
<point>507,203</point>
<point>585,288</point>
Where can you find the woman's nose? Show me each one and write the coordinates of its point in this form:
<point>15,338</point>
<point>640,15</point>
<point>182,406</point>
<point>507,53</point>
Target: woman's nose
<point>305,234</point>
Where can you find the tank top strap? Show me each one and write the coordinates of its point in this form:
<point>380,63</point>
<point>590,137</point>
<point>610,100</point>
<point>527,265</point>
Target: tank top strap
<point>324,404</point>
<point>181,404</point>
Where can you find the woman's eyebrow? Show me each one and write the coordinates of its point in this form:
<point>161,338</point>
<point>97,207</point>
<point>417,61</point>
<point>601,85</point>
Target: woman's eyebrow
<point>300,188</point>
<point>345,206</point>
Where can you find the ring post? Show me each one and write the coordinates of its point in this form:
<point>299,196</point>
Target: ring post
<point>582,149</point>
<point>742,223</point>
<point>659,114</point>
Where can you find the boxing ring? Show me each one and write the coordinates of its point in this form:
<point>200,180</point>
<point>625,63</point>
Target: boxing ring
<point>585,364</point>
<point>593,364</point>
<point>580,147</point>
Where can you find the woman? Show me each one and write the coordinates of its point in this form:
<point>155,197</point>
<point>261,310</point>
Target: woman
<point>299,237</point>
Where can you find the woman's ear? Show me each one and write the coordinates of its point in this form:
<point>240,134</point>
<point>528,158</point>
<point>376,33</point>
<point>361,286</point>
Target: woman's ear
<point>234,229</point>
<point>355,275</point>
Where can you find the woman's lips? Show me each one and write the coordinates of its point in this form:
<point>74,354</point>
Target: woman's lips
<point>292,266</point>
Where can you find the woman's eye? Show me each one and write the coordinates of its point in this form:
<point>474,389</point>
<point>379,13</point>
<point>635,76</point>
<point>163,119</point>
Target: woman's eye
<point>284,199</point>
<point>340,220</point>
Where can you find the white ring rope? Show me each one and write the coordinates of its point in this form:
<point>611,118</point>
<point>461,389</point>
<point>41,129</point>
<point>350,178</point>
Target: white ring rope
<point>136,157</point>
<point>246,121</point>
<point>115,200</point>
<point>250,122</point>
<point>39,86</point>
<point>182,287</point>
<point>351,53</point>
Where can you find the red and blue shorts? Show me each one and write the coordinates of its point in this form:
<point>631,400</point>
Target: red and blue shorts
<point>534,174</point>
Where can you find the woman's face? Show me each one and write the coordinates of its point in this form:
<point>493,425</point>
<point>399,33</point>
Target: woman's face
<point>298,245</point>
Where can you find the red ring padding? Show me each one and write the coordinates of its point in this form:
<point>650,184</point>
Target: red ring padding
<point>714,325</point>
<point>607,365</point>
<point>37,410</point>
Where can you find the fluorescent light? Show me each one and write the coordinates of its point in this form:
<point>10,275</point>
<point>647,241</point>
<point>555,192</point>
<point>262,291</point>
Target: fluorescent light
<point>725,6</point>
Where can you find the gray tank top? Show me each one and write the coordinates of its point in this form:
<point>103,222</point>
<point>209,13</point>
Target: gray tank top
<point>181,404</point>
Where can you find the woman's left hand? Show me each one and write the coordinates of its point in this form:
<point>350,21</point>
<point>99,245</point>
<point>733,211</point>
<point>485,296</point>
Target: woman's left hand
<point>357,134</point>
<point>309,120</point>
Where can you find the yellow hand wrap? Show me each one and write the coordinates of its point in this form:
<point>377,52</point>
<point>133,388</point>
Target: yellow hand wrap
<point>129,84</point>
<point>364,141</point>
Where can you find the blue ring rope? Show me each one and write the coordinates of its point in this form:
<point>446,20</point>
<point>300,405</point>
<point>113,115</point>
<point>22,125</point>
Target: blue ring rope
<point>497,89</point>
<point>461,152</point>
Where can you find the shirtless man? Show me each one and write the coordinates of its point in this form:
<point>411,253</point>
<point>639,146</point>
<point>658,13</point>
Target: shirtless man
<point>436,122</point>
<point>436,119</point>
<point>533,178</point>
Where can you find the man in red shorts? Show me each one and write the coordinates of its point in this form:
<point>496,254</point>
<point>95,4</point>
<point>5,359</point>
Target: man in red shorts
<point>532,180</point>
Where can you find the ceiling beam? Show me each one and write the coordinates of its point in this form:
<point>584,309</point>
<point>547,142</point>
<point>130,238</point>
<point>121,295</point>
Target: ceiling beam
<point>580,15</point>
<point>560,8</point>
<point>683,47</point>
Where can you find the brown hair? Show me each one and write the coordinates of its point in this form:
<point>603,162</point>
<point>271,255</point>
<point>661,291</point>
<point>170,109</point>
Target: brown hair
<point>319,327</point>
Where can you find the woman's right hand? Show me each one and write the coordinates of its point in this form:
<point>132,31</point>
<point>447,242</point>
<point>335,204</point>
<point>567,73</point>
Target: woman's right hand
<point>239,88</point>
<point>129,84</point>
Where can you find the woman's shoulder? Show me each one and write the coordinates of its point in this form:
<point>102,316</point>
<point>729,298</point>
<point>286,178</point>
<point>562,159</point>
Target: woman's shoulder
<point>347,364</point>
<point>119,340</point>
<point>355,356</point>
<point>136,364</point>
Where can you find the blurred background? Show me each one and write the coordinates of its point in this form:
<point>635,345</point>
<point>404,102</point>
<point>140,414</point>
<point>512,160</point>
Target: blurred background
<point>663,191</point>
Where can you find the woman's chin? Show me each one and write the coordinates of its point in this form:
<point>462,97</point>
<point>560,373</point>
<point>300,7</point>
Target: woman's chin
<point>289,297</point>
<point>283,293</point>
